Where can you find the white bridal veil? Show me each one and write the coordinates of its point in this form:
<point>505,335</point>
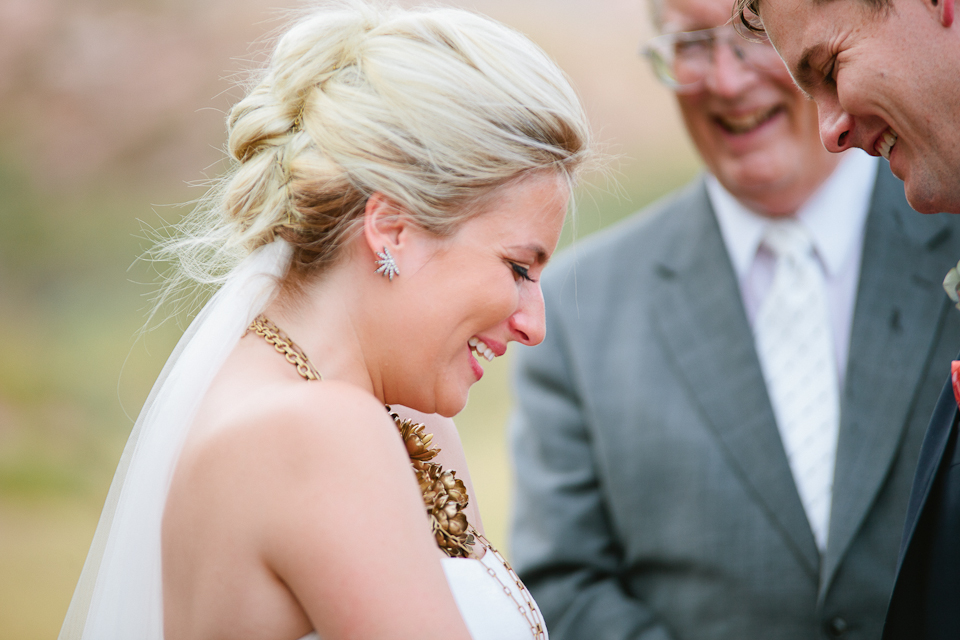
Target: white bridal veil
<point>119,595</point>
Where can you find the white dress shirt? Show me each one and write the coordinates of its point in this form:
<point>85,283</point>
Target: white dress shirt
<point>835,216</point>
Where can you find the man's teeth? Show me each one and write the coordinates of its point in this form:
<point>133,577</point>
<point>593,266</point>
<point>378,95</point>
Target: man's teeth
<point>887,141</point>
<point>748,122</point>
<point>480,347</point>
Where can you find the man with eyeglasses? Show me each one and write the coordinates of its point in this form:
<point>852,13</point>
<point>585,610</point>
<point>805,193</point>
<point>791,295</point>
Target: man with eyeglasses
<point>718,436</point>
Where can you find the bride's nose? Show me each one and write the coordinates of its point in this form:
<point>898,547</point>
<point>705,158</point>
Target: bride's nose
<point>527,324</point>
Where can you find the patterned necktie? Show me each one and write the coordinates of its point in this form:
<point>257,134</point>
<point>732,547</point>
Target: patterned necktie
<point>795,347</point>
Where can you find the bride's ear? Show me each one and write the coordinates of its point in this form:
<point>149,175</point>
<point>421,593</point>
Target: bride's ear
<point>385,224</point>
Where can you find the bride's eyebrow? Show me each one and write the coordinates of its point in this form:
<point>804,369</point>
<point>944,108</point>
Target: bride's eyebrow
<point>539,253</point>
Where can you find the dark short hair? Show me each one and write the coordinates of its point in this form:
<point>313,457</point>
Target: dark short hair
<point>746,13</point>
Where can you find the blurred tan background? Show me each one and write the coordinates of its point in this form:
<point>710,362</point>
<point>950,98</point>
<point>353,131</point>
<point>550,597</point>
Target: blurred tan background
<point>109,110</point>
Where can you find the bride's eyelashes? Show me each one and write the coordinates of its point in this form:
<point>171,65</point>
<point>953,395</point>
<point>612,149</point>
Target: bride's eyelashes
<point>521,271</point>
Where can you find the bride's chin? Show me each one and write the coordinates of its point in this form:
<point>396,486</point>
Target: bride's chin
<point>446,405</point>
<point>449,407</point>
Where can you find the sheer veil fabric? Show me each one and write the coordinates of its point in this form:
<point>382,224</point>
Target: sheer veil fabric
<point>119,595</point>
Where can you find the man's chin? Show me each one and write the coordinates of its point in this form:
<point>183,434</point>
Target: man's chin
<point>927,197</point>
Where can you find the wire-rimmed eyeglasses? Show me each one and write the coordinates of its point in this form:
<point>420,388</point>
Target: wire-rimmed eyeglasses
<point>683,60</point>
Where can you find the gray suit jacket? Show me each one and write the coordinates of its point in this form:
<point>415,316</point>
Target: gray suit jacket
<point>654,496</point>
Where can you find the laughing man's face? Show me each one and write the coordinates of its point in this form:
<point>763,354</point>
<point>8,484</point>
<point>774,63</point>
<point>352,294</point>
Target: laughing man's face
<point>883,80</point>
<point>755,131</point>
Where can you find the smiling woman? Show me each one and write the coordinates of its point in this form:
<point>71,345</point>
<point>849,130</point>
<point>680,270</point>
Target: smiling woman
<point>400,179</point>
<point>478,286</point>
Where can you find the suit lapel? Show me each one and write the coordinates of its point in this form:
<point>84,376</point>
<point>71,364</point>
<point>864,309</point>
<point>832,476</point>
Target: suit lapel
<point>898,310</point>
<point>704,326</point>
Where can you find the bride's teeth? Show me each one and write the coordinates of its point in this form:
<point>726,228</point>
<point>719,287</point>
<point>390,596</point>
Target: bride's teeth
<point>481,348</point>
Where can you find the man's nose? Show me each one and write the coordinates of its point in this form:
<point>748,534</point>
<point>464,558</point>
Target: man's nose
<point>729,74</point>
<point>836,125</point>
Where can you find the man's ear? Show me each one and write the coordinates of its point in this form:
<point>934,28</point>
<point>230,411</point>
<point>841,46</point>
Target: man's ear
<point>384,223</point>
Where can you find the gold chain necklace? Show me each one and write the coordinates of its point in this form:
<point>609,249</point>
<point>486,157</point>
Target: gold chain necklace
<point>444,495</point>
<point>526,606</point>
<point>270,332</point>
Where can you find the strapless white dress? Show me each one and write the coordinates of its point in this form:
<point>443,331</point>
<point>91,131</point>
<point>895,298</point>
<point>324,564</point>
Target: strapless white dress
<point>489,612</point>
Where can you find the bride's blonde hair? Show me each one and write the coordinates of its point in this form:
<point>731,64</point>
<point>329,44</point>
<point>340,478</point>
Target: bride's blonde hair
<point>432,107</point>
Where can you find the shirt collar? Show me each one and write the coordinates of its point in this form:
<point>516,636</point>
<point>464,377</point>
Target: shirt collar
<point>834,215</point>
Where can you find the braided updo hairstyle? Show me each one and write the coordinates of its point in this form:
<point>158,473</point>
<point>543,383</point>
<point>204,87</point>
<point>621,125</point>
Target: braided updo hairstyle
<point>432,107</point>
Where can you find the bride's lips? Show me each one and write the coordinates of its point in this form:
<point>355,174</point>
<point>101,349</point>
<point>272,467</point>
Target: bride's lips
<point>486,348</point>
<point>475,366</point>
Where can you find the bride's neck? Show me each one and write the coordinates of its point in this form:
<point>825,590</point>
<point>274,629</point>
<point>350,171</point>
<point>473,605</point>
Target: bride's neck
<point>327,319</point>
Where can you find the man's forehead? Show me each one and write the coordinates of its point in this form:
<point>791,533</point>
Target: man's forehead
<point>689,15</point>
<point>785,20</point>
<point>801,30</point>
<point>789,23</point>
<point>782,20</point>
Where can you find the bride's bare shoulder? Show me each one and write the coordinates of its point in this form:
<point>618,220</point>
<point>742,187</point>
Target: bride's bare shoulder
<point>291,439</point>
<point>329,406</point>
<point>310,483</point>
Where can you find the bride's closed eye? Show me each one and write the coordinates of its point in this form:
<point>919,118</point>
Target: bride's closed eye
<point>521,272</point>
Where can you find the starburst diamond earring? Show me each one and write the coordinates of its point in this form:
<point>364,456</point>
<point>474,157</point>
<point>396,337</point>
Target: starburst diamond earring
<point>387,265</point>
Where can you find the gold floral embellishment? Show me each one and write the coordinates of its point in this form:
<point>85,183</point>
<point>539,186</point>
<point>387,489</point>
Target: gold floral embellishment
<point>444,495</point>
<point>445,498</point>
<point>416,441</point>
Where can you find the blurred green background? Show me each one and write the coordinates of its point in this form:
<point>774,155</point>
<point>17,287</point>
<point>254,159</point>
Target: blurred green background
<point>111,109</point>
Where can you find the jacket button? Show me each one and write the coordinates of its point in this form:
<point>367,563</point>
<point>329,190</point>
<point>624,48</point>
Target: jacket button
<point>836,627</point>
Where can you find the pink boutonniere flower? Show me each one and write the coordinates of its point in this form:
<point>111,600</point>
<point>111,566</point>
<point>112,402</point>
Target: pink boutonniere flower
<point>955,380</point>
